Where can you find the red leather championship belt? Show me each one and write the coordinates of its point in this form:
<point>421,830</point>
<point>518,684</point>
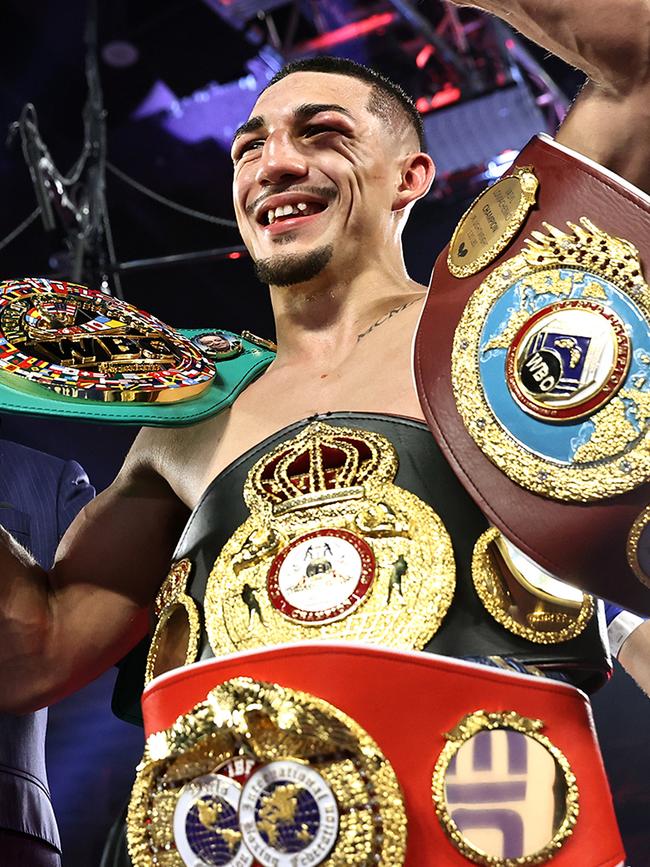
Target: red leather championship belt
<point>532,362</point>
<point>344,755</point>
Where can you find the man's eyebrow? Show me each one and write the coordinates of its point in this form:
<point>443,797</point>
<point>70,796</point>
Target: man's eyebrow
<point>251,125</point>
<point>302,112</point>
<point>309,109</point>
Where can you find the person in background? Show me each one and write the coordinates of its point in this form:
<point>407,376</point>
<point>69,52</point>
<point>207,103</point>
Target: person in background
<point>39,496</point>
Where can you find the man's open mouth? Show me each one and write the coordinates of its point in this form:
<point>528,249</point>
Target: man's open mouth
<point>290,206</point>
<point>300,209</point>
<point>283,212</point>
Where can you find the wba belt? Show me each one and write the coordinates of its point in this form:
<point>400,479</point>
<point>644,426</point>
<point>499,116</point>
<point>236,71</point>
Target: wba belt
<point>353,527</point>
<point>343,754</point>
<point>532,363</point>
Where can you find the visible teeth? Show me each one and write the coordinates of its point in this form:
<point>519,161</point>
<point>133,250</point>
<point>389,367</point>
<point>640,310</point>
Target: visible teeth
<point>285,211</point>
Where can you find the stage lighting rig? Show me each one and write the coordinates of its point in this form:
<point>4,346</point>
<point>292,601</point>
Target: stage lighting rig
<point>238,13</point>
<point>481,93</point>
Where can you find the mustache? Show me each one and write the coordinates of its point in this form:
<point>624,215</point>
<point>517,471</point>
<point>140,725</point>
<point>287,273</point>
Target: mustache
<point>328,194</point>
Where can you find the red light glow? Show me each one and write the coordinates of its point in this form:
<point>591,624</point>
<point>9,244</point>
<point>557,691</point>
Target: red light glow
<point>423,56</point>
<point>443,97</point>
<point>348,32</point>
<point>235,255</point>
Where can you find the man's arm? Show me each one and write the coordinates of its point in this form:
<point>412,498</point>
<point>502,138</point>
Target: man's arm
<point>610,41</point>
<point>634,655</point>
<point>63,628</point>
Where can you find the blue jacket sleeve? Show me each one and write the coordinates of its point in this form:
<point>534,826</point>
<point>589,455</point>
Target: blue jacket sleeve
<point>74,492</point>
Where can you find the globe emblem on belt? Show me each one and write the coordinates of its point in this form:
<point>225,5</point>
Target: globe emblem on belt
<point>288,815</point>
<point>206,824</point>
<point>567,360</point>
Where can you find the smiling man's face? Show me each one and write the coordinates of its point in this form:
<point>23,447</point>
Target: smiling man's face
<point>315,175</point>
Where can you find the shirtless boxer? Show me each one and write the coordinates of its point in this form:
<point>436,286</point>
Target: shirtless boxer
<point>345,312</point>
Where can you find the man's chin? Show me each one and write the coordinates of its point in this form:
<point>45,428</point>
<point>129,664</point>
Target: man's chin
<point>287,269</point>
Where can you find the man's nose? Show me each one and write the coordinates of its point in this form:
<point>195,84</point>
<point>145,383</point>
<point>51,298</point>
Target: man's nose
<point>281,159</point>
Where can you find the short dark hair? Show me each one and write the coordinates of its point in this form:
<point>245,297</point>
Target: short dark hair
<point>387,99</point>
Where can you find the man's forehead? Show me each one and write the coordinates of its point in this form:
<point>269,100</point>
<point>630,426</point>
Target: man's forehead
<point>299,88</point>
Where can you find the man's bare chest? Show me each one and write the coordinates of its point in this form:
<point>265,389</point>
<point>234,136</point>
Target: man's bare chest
<point>268,406</point>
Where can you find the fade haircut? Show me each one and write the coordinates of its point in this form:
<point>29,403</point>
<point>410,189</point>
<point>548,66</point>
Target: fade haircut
<point>387,99</point>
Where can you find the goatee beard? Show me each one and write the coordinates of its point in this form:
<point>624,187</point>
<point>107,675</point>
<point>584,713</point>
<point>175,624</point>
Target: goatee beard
<point>291,268</point>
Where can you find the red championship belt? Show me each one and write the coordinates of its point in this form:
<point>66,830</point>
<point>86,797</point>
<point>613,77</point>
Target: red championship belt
<point>532,362</point>
<point>339,753</point>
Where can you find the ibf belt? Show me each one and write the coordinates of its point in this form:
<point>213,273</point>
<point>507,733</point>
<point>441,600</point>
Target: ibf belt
<point>332,549</point>
<point>533,367</point>
<point>342,754</point>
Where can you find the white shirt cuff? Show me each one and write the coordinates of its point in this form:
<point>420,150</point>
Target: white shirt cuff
<point>621,627</point>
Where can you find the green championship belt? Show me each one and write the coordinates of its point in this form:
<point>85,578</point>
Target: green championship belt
<point>72,352</point>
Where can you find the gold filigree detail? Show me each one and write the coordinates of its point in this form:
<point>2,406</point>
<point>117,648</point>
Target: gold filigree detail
<point>594,290</point>
<point>505,337</point>
<point>84,344</point>
<point>170,601</point>
<point>491,222</point>
<point>338,481</point>
<point>319,461</point>
<point>548,622</point>
<point>264,342</point>
<point>642,521</point>
<point>269,723</point>
<point>608,472</point>
<point>542,283</point>
<point>612,434</point>
<point>482,721</point>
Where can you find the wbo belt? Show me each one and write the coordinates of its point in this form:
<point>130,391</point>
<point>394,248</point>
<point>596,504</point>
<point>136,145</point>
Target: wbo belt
<point>344,754</point>
<point>532,363</point>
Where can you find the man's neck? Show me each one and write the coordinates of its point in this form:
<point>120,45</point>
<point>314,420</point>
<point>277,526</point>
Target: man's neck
<point>323,321</point>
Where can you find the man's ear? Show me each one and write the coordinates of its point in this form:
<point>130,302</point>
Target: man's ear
<point>418,172</point>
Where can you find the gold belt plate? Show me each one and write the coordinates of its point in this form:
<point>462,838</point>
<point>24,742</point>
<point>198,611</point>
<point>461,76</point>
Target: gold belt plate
<point>491,222</point>
<point>333,549</point>
<point>517,604</point>
<point>551,365</point>
<point>80,343</point>
<point>262,774</point>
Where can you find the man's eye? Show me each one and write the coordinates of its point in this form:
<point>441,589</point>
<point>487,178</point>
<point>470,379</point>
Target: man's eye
<point>246,147</point>
<point>317,128</point>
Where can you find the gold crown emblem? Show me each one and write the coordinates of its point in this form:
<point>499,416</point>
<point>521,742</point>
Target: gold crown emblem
<point>589,248</point>
<point>321,464</point>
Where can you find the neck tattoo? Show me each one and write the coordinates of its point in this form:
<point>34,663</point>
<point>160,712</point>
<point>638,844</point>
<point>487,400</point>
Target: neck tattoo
<point>386,317</point>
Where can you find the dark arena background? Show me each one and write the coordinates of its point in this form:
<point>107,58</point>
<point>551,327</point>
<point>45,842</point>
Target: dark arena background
<point>116,172</point>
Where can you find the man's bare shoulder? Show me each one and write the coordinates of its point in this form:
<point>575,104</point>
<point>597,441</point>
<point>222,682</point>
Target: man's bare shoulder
<point>177,456</point>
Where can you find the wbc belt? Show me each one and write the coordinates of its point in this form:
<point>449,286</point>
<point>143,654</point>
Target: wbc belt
<point>343,754</point>
<point>72,352</point>
<point>532,361</point>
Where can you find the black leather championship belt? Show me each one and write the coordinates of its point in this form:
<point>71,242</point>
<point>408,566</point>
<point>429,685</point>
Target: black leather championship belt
<point>532,362</point>
<point>353,527</point>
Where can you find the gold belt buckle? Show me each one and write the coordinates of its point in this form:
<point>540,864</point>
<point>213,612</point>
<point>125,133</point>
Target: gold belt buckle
<point>332,549</point>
